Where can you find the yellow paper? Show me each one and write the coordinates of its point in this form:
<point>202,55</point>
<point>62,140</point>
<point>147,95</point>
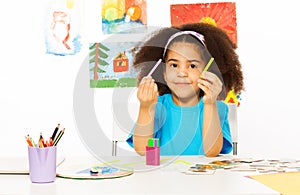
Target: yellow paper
<point>285,183</point>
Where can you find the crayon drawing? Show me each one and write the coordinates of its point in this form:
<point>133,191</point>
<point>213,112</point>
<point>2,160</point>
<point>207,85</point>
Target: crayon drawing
<point>98,171</point>
<point>109,64</point>
<point>221,14</point>
<point>62,29</point>
<point>124,16</point>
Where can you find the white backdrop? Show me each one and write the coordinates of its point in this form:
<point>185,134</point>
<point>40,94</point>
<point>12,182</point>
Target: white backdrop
<point>37,88</point>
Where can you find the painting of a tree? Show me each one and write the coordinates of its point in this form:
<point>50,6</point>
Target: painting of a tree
<point>110,64</point>
<point>97,54</point>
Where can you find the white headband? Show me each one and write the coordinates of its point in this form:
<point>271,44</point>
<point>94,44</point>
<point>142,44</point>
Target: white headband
<point>195,34</point>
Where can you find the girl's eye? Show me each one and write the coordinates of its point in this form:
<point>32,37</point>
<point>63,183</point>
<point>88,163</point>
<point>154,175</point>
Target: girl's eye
<point>173,65</point>
<point>193,66</point>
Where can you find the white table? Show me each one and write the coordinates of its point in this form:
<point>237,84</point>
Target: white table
<point>163,180</point>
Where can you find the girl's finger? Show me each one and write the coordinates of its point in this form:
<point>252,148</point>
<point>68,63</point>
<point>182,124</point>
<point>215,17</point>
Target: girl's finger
<point>150,88</point>
<point>210,77</point>
<point>155,91</point>
<point>141,87</point>
<point>146,88</point>
<point>205,83</point>
<point>203,87</point>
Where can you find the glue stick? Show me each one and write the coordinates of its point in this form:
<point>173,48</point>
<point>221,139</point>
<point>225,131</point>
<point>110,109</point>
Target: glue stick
<point>153,152</point>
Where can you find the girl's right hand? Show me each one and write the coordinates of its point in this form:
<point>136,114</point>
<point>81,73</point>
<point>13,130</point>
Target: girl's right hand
<point>147,92</point>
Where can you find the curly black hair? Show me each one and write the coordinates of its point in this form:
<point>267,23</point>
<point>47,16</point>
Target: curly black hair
<point>217,43</point>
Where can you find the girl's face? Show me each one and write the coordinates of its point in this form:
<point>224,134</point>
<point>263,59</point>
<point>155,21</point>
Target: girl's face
<point>183,67</point>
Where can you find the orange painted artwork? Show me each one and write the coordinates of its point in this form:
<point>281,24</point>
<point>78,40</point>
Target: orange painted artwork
<point>61,34</point>
<point>124,16</point>
<point>221,14</point>
<point>62,29</point>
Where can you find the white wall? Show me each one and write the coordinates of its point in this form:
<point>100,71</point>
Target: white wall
<point>37,90</point>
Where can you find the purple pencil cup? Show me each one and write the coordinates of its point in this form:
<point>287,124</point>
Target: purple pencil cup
<point>153,152</point>
<point>42,164</point>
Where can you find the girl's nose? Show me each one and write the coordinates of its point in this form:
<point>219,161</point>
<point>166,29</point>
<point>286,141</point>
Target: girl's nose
<point>182,72</point>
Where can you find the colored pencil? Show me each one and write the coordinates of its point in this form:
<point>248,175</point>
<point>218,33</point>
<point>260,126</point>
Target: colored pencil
<point>60,134</point>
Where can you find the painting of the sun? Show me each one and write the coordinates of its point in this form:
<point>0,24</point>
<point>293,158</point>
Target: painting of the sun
<point>124,16</point>
<point>221,14</point>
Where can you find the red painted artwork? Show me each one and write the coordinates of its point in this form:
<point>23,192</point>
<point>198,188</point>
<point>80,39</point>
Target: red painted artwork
<point>221,14</point>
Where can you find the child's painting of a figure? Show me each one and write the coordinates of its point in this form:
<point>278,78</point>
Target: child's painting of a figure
<point>110,65</point>
<point>222,15</point>
<point>124,16</point>
<point>62,29</point>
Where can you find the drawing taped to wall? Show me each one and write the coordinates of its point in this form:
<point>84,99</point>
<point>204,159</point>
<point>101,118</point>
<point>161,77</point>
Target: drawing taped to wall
<point>124,16</point>
<point>62,29</point>
<point>110,65</point>
<point>222,14</point>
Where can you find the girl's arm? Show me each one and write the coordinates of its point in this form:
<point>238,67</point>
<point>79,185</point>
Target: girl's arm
<point>147,94</point>
<point>211,130</point>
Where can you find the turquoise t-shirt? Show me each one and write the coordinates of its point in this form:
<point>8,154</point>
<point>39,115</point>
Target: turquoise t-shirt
<point>180,128</point>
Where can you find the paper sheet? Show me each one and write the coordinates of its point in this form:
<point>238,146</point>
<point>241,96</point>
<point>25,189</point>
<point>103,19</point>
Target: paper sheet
<point>285,183</point>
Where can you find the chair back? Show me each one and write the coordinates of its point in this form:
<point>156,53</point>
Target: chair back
<point>123,124</point>
<point>233,123</point>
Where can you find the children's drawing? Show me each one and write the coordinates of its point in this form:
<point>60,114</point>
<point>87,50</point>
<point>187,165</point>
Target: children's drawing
<point>60,27</point>
<point>62,31</point>
<point>98,171</point>
<point>110,65</point>
<point>97,59</point>
<point>124,16</point>
<point>222,15</point>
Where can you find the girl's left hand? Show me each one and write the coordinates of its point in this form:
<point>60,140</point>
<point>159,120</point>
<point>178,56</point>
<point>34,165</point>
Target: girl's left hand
<point>211,85</point>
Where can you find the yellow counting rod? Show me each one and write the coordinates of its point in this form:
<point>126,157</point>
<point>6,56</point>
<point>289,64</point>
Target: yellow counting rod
<point>207,65</point>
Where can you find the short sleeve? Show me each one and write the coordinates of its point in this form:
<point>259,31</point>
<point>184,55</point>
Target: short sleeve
<point>129,140</point>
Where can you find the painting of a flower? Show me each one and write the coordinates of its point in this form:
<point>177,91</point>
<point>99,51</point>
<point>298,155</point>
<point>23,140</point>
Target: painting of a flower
<point>221,14</point>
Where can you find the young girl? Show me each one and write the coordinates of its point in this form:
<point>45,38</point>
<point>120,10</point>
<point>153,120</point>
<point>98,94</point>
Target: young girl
<point>180,103</point>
